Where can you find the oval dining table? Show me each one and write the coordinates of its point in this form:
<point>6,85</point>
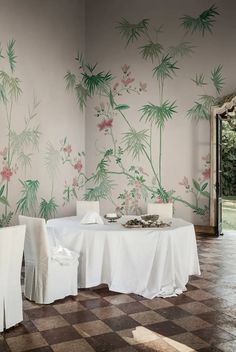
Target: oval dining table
<point>151,262</point>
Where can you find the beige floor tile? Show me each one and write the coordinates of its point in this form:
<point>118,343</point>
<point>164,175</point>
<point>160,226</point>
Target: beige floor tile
<point>30,305</point>
<point>137,335</point>
<point>192,323</point>
<point>190,340</point>
<point>157,345</point>
<point>119,299</point>
<point>156,303</point>
<point>149,317</point>
<point>69,307</point>
<point>26,342</point>
<point>107,312</point>
<point>79,345</point>
<point>92,328</point>
<point>199,295</point>
<point>196,308</point>
<point>50,323</point>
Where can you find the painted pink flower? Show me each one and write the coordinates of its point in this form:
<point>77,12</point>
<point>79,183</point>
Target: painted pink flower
<point>142,87</point>
<point>67,149</point>
<point>78,165</point>
<point>206,173</point>
<point>75,182</point>
<point>6,173</point>
<point>125,68</point>
<point>105,124</point>
<point>184,182</point>
<point>127,81</point>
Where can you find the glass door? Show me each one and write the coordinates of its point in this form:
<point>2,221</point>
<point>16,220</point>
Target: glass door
<point>218,175</point>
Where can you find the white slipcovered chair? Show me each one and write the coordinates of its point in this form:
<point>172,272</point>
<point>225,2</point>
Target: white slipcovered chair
<point>83,206</point>
<point>51,273</point>
<point>165,210</point>
<point>11,254</point>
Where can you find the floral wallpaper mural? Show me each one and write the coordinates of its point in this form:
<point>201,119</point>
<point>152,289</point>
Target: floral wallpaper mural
<point>127,152</point>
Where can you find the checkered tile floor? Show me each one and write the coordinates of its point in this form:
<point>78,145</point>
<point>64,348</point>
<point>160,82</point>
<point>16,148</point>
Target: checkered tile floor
<point>202,319</point>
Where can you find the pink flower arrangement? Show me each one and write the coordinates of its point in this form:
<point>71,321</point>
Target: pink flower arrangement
<point>67,149</point>
<point>206,173</point>
<point>105,124</point>
<point>6,173</point>
<point>78,165</point>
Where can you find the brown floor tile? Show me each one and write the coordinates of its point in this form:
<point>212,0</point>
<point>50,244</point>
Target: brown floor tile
<point>43,312</point>
<point>69,307</point>
<point>149,317</point>
<point>196,308</point>
<point>214,335</point>
<point>174,312</point>
<point>41,349</point>
<point>95,303</point>
<point>125,349</point>
<point>106,342</point>
<point>107,312</point>
<point>86,294</point>
<point>132,307</point>
<point>181,299</point>
<point>91,328</point>
<point>121,322</point>
<point>66,333</point>
<point>190,340</point>
<point>54,322</point>
<point>79,317</point>
<point>192,323</point>
<point>156,345</point>
<point>25,327</point>
<point>166,328</point>
<point>156,303</point>
<point>199,295</point>
<point>73,346</point>
<point>26,342</point>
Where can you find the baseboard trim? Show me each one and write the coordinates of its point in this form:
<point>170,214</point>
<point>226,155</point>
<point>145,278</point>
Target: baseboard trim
<point>205,230</point>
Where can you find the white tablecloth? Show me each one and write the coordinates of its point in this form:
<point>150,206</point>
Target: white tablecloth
<point>148,262</point>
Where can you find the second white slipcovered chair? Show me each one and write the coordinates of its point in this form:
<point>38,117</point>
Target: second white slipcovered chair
<point>165,210</point>
<point>11,254</point>
<point>51,273</point>
<point>83,206</point>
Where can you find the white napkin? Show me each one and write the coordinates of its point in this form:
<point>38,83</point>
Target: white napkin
<point>92,217</point>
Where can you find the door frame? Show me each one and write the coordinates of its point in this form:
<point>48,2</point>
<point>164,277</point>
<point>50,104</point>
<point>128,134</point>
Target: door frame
<point>229,104</point>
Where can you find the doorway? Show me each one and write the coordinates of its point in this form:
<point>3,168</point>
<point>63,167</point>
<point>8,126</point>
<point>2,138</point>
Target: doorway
<point>223,167</point>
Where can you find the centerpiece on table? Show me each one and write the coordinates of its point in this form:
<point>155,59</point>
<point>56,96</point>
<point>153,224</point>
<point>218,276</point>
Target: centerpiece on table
<point>146,221</point>
<point>112,217</point>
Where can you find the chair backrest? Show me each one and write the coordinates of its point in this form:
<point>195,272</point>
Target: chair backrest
<point>11,253</point>
<point>36,241</point>
<point>162,209</point>
<point>82,207</point>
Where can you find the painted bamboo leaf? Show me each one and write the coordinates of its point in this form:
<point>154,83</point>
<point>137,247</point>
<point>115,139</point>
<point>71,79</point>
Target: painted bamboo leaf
<point>81,95</point>
<point>26,205</point>
<point>111,99</point>
<point>48,208</point>
<point>136,142</point>
<point>199,80</point>
<point>198,111</point>
<point>101,170</point>
<point>204,186</point>
<point>24,160</point>
<point>27,137</point>
<point>3,199</point>
<point>1,56</point>
<point>166,68</point>
<point>81,60</point>
<point>101,191</point>
<point>158,114</point>
<point>99,81</point>
<point>203,23</point>
<point>122,107</point>
<point>132,32</point>
<point>206,194</point>
<point>182,49</point>
<point>207,101</point>
<point>5,219</point>
<point>217,78</point>
<point>11,54</point>
<point>3,97</point>
<point>52,160</point>
<point>70,79</point>
<point>151,51</point>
